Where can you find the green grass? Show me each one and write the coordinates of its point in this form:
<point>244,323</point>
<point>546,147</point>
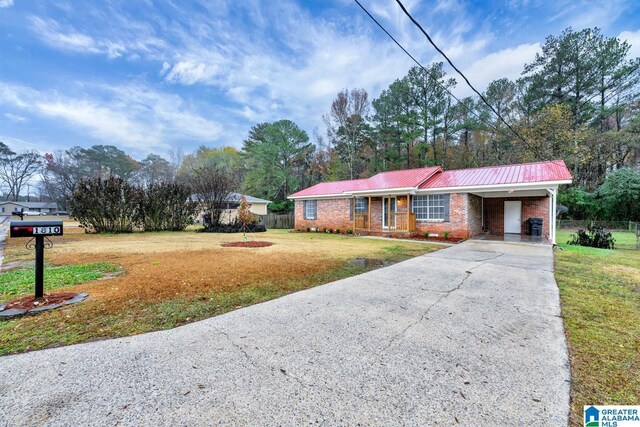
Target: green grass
<point>600,294</point>
<point>21,280</point>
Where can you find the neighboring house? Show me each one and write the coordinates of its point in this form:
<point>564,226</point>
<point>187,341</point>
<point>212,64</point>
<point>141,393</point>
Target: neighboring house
<point>464,203</point>
<point>256,206</point>
<point>7,207</point>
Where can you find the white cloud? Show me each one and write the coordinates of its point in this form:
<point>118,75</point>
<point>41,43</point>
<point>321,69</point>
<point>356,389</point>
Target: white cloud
<point>581,14</point>
<point>15,118</point>
<point>6,3</point>
<point>71,40</point>
<point>19,145</point>
<point>507,63</point>
<point>281,61</point>
<point>633,38</point>
<point>133,116</point>
<point>254,61</point>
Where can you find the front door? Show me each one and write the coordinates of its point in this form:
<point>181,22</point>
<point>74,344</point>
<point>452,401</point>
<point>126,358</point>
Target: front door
<point>513,217</point>
<point>388,205</point>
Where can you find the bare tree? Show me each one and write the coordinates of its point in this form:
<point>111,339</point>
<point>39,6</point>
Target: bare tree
<point>346,125</point>
<point>17,169</point>
<point>211,189</point>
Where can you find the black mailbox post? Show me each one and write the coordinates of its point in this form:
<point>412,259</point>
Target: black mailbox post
<point>37,231</point>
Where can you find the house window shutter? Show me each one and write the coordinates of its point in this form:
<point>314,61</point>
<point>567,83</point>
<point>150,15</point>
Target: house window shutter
<point>351,208</point>
<point>446,207</point>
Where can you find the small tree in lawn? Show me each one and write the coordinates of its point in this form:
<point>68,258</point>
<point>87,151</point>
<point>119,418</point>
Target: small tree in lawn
<point>245,217</point>
<point>211,187</point>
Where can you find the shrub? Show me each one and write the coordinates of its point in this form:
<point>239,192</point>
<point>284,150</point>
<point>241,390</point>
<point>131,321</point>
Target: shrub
<point>348,231</point>
<point>308,229</point>
<point>166,206</point>
<point>426,234</point>
<point>595,237</point>
<point>445,235</point>
<point>112,205</point>
<point>325,230</point>
<point>337,231</point>
<point>106,205</point>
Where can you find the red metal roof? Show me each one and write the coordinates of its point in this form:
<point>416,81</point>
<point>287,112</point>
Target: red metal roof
<point>332,187</point>
<point>407,178</point>
<point>555,170</point>
<point>434,177</point>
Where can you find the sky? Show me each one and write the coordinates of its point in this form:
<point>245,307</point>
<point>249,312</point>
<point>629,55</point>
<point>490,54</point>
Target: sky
<point>154,76</point>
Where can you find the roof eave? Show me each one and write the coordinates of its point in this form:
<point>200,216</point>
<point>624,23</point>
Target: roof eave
<point>383,191</point>
<point>519,185</point>
<point>319,196</point>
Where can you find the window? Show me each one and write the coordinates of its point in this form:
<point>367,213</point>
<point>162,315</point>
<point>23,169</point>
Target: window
<point>432,207</point>
<point>310,209</point>
<point>362,205</point>
<point>2,210</point>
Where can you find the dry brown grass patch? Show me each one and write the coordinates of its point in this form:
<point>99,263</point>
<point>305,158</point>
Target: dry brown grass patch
<point>173,278</point>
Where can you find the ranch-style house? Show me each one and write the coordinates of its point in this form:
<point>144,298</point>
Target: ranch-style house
<point>464,203</point>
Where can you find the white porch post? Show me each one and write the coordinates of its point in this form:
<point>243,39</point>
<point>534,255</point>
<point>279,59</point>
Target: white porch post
<point>553,195</point>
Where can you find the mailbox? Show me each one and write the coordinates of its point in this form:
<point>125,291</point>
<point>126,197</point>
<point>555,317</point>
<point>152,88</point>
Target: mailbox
<point>38,231</point>
<point>35,228</point>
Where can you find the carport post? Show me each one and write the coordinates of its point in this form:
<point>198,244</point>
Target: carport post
<point>369,214</point>
<point>553,193</point>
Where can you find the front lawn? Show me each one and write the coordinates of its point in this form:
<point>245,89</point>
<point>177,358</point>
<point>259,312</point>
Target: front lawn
<point>600,294</point>
<point>174,278</point>
<point>20,281</point>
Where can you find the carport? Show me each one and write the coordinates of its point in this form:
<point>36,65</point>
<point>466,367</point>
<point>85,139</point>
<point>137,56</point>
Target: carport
<point>506,210</point>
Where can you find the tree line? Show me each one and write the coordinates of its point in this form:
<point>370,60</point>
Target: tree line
<point>576,100</point>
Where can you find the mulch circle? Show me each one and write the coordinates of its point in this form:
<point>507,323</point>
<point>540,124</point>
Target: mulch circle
<point>28,303</point>
<point>32,305</point>
<point>252,244</point>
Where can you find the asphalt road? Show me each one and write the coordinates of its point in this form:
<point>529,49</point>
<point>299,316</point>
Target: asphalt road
<point>469,335</point>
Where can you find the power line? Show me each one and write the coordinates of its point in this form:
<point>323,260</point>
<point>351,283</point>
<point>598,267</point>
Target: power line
<point>434,78</point>
<point>417,24</point>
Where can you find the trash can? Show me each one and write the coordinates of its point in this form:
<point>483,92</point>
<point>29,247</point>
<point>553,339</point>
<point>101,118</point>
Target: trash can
<point>535,227</point>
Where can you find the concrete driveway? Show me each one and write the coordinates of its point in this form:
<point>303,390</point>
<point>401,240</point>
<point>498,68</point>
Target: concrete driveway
<point>469,335</point>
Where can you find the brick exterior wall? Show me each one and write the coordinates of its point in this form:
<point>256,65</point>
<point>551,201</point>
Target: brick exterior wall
<point>331,213</point>
<point>465,215</point>
<point>532,207</point>
<point>475,215</point>
<point>457,224</point>
<point>376,213</point>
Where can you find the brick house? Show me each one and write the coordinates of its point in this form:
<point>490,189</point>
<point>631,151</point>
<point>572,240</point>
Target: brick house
<point>496,200</point>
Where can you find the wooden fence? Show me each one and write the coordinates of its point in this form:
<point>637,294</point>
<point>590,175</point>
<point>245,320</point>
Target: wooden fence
<point>277,221</point>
